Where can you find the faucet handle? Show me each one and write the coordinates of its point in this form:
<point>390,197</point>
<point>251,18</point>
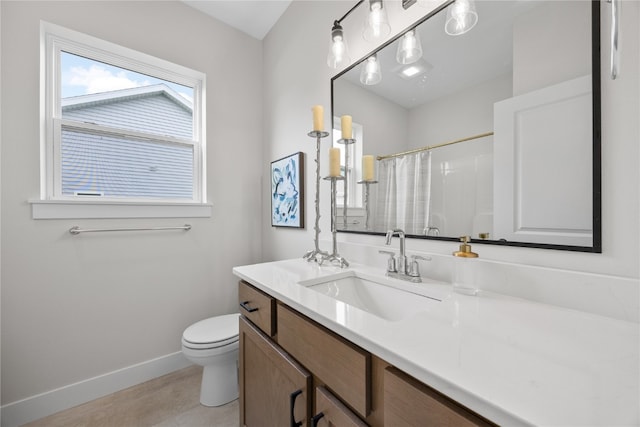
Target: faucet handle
<point>414,270</point>
<point>391,262</point>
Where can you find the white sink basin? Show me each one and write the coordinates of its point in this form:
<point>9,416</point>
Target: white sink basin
<point>388,298</point>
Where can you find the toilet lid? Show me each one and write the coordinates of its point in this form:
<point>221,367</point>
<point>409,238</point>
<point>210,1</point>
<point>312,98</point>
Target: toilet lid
<point>219,329</point>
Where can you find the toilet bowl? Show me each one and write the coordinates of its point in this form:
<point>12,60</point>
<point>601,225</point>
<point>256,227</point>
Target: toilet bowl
<point>213,344</point>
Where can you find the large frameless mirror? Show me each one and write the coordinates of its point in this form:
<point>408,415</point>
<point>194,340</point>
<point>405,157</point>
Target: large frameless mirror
<point>493,133</point>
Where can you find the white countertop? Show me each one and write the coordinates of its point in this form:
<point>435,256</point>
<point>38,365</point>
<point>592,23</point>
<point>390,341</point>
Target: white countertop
<point>514,361</point>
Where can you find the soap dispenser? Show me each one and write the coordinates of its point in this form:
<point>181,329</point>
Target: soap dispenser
<point>464,268</point>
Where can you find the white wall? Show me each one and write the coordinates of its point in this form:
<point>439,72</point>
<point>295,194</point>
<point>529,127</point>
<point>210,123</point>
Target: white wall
<point>297,77</point>
<point>294,55</point>
<point>459,115</point>
<point>77,307</point>
<point>386,124</point>
<point>569,53</point>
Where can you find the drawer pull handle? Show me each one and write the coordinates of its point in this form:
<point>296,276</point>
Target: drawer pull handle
<point>292,405</point>
<point>316,419</point>
<point>245,305</point>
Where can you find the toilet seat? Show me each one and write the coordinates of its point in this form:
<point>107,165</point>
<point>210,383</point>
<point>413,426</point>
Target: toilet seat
<point>212,333</point>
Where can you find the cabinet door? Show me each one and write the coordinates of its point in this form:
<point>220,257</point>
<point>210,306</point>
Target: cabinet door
<point>408,402</point>
<point>333,413</point>
<point>274,389</point>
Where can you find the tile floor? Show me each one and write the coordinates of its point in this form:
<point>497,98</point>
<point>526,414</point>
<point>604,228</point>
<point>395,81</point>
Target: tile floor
<point>169,401</point>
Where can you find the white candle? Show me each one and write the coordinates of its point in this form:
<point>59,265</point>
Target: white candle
<point>334,162</point>
<point>367,168</point>
<point>318,118</point>
<point>345,122</point>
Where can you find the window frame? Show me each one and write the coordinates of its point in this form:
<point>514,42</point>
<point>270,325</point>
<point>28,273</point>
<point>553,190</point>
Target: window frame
<point>356,201</point>
<point>55,39</point>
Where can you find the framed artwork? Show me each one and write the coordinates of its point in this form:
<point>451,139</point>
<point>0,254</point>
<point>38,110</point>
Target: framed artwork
<point>287,191</point>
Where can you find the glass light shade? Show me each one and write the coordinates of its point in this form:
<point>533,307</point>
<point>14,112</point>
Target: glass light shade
<point>370,73</point>
<point>409,48</point>
<point>376,26</point>
<point>461,17</point>
<point>338,56</point>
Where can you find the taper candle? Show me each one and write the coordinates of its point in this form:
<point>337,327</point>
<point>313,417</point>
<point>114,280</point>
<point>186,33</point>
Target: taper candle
<point>334,162</point>
<point>367,168</point>
<point>318,118</point>
<point>345,122</point>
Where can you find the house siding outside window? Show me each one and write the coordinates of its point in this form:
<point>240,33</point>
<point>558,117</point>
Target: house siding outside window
<point>111,166</point>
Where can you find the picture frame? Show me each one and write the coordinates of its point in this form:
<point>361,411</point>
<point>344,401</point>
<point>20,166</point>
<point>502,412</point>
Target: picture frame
<point>287,191</point>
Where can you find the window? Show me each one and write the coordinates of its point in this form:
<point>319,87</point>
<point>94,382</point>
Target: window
<point>354,168</point>
<point>119,126</point>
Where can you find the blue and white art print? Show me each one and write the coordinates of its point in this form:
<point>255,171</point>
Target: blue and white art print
<point>287,191</point>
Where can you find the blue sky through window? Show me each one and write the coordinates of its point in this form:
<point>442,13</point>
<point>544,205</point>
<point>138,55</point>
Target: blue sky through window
<point>82,76</point>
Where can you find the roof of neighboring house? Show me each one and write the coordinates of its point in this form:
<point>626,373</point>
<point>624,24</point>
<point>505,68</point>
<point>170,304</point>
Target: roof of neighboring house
<point>84,101</point>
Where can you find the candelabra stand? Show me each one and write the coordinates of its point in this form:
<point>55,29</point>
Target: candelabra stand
<point>367,184</point>
<point>316,254</point>
<point>345,201</point>
<point>334,257</point>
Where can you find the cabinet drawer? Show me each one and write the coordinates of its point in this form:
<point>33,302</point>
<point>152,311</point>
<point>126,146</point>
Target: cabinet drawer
<point>258,307</point>
<point>343,367</point>
<point>408,402</point>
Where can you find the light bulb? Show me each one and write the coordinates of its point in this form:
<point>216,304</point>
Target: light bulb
<point>376,26</point>
<point>338,53</point>
<point>461,17</point>
<point>370,73</point>
<point>409,48</point>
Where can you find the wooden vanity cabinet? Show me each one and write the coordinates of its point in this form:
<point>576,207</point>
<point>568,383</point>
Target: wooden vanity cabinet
<point>290,377</point>
<point>342,366</point>
<point>408,402</point>
<point>330,411</point>
<point>274,389</point>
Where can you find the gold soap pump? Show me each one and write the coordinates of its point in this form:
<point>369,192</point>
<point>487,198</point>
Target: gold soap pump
<point>464,274</point>
<point>465,248</point>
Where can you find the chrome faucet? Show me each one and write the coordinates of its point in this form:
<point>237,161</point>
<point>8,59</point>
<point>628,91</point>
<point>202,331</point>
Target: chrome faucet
<point>399,267</point>
<point>401,261</point>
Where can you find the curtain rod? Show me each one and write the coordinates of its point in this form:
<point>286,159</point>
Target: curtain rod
<point>431,147</point>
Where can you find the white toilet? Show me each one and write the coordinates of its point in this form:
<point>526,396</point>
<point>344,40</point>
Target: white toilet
<point>213,344</point>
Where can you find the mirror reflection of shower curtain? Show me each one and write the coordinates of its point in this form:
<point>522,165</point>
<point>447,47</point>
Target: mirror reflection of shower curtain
<point>404,193</point>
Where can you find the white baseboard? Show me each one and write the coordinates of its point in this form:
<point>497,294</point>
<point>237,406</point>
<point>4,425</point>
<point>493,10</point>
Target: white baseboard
<point>35,407</point>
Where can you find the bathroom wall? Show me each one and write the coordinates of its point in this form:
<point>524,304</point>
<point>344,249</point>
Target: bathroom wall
<point>77,307</point>
<point>297,77</point>
<point>380,136</point>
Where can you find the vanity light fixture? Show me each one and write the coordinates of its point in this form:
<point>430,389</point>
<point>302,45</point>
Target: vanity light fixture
<point>461,17</point>
<point>370,74</point>
<point>338,52</point>
<point>376,26</point>
<point>409,48</point>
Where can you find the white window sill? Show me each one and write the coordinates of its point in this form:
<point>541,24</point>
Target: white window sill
<point>63,209</point>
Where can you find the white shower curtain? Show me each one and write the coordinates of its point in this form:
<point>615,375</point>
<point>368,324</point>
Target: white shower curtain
<point>404,193</point>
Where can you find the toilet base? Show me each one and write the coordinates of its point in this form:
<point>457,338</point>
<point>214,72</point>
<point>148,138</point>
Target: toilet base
<point>220,381</point>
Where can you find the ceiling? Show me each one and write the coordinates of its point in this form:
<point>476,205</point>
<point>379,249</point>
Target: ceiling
<point>451,63</point>
<point>253,17</point>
